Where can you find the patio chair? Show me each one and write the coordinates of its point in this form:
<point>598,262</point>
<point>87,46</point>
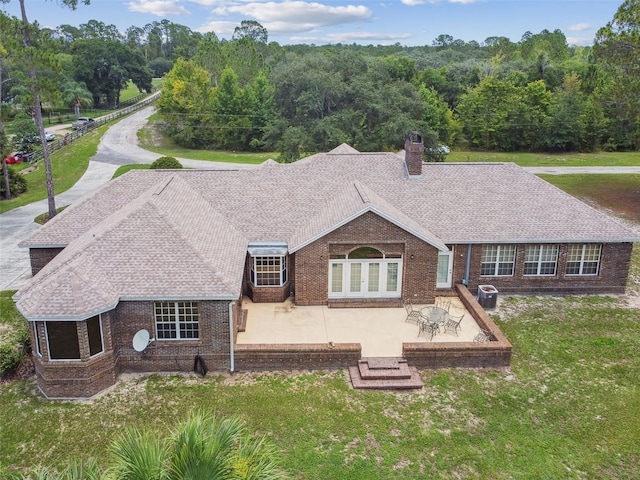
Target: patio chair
<point>428,327</point>
<point>483,336</point>
<point>453,324</point>
<point>413,315</point>
<point>443,303</point>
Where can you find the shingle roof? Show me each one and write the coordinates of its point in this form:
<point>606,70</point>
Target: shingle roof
<point>183,234</point>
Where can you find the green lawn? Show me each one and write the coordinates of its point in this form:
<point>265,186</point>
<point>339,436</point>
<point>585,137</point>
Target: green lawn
<point>151,139</point>
<point>68,165</point>
<point>568,408</point>
<point>611,159</point>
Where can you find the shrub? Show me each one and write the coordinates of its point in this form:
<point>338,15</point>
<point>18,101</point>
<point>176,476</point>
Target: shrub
<point>17,183</point>
<point>166,162</point>
<point>10,359</point>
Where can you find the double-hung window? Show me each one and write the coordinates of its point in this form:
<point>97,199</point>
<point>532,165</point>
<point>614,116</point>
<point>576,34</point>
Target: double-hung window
<point>177,320</point>
<point>584,259</point>
<point>541,260</point>
<point>269,271</point>
<point>498,260</point>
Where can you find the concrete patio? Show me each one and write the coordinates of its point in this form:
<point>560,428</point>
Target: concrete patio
<point>380,331</point>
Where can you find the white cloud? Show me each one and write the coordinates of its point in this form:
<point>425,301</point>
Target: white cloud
<point>297,16</point>
<point>579,27</point>
<point>464,1</point>
<point>413,3</point>
<point>218,27</point>
<point>580,41</point>
<point>160,8</point>
<point>350,37</point>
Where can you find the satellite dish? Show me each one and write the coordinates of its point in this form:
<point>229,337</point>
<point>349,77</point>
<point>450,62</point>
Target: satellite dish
<point>141,340</point>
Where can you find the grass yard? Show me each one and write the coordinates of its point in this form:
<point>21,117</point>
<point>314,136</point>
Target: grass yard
<point>615,193</point>
<point>568,408</point>
<point>150,138</point>
<point>68,165</point>
<point>611,159</point>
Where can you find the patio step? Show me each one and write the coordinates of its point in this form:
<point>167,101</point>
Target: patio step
<point>384,374</point>
<point>368,303</point>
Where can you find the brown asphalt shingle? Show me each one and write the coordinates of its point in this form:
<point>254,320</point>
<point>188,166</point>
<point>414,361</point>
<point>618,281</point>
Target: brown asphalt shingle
<point>154,234</point>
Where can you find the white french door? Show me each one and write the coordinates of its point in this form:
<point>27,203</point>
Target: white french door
<point>365,278</point>
<point>445,269</point>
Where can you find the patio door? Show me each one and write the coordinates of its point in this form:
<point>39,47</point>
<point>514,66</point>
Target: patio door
<point>445,269</point>
<point>359,277</point>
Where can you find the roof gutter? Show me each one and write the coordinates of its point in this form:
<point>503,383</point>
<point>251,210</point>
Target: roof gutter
<point>232,362</point>
<point>467,266</point>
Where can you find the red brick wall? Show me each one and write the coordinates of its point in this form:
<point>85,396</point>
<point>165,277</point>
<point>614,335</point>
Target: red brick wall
<point>39,257</point>
<point>88,376</point>
<point>612,278</point>
<point>311,356</point>
<point>172,355</point>
<point>420,259</point>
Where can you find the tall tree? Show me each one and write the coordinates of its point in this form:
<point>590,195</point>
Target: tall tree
<point>617,51</point>
<point>251,29</point>
<point>33,56</point>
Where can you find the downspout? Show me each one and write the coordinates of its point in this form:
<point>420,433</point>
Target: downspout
<point>467,267</point>
<point>231,337</point>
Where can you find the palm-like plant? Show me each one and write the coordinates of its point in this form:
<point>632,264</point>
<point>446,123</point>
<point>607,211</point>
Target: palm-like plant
<point>138,455</point>
<point>203,448</point>
<point>76,95</point>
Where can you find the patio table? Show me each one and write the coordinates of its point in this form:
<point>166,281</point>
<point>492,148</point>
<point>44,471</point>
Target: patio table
<point>435,314</point>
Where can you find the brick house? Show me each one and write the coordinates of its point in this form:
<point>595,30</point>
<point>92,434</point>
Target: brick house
<point>175,252</point>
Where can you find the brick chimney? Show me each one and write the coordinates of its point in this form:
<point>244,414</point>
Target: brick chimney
<point>413,150</point>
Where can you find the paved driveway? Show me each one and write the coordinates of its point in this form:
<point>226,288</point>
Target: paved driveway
<point>118,146</point>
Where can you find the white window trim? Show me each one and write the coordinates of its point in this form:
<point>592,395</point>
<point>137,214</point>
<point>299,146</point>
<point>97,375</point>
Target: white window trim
<point>582,261</point>
<point>284,267</point>
<point>382,278</point>
<point>496,264</point>
<point>176,322</point>
<point>539,261</point>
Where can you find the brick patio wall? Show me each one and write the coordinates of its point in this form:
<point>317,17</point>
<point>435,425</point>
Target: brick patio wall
<point>420,259</point>
<point>493,354</point>
<point>612,278</point>
<point>307,356</point>
<point>39,257</point>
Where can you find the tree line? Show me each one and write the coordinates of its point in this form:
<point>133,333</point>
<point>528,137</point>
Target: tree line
<point>246,93</point>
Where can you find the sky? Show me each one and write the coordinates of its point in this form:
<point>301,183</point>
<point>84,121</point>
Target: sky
<point>384,22</point>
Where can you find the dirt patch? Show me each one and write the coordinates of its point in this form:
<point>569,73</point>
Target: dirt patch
<point>24,371</point>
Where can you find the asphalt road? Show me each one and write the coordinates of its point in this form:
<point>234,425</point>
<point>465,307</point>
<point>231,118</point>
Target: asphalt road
<point>119,146</point>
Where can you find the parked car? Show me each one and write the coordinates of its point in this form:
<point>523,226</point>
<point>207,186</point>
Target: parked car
<point>19,157</point>
<point>83,122</point>
<point>49,137</point>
